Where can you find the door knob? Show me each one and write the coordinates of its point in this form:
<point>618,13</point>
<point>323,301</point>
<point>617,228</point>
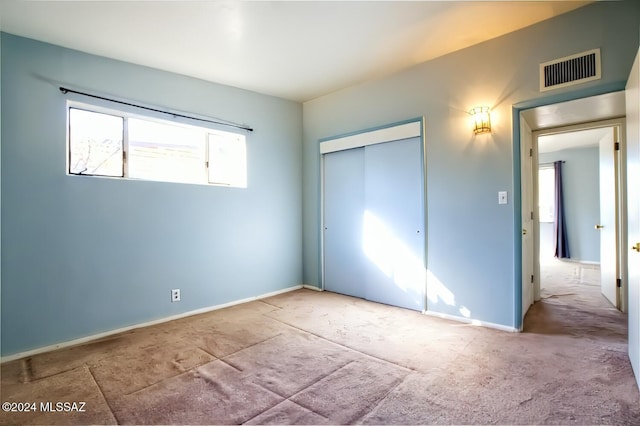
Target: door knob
<point>636,247</point>
<point>524,232</point>
<point>599,226</point>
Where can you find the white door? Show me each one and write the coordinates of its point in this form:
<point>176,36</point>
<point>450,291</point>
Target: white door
<point>608,223</point>
<point>633,213</point>
<point>526,148</point>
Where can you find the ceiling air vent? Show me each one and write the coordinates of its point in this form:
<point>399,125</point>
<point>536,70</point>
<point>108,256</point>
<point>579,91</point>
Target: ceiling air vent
<point>570,70</point>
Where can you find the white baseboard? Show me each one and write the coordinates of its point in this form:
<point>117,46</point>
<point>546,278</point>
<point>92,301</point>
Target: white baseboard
<point>97,336</point>
<point>472,321</point>
<point>312,287</point>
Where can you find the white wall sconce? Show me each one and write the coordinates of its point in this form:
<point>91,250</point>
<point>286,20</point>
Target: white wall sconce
<point>481,120</point>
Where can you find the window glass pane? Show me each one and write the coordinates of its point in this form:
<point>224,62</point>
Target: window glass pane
<point>95,143</point>
<point>228,159</point>
<point>546,194</point>
<point>166,152</point>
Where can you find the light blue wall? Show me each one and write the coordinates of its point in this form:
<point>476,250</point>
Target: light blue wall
<point>84,255</point>
<point>472,249</point>
<point>581,186</point>
<point>0,189</point>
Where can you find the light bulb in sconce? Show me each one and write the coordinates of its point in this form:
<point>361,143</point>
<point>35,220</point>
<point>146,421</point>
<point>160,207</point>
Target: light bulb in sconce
<point>481,120</point>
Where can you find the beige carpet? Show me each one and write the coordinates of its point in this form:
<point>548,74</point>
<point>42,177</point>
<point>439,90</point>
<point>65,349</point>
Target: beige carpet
<point>308,357</point>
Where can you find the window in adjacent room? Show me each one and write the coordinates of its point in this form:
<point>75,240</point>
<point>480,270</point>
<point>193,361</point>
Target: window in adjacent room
<point>118,144</point>
<point>546,193</point>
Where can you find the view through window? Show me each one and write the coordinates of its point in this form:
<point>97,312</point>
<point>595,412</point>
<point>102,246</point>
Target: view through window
<point>546,193</point>
<point>120,145</point>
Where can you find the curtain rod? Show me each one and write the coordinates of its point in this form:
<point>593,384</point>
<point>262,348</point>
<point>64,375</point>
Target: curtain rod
<point>549,164</point>
<point>237,126</point>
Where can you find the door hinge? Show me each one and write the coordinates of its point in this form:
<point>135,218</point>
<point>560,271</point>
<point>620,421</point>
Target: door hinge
<point>124,156</point>
<point>530,152</point>
<point>531,279</point>
<point>616,146</point>
<point>531,215</point>
<point>618,282</point>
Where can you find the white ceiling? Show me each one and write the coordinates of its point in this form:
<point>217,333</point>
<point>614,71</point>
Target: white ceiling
<point>578,139</point>
<point>297,50</point>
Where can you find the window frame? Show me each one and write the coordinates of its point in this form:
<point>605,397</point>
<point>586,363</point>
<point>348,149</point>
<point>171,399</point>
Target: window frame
<point>69,134</point>
<point>130,113</point>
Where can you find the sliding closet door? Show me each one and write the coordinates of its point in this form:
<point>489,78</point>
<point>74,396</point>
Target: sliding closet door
<point>373,215</point>
<point>394,237</point>
<point>343,215</point>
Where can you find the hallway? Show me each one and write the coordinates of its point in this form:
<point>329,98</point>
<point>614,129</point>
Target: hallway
<point>571,303</point>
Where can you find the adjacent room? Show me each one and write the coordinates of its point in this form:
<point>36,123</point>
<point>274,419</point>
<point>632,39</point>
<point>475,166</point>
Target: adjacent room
<point>569,200</point>
<point>278,212</point>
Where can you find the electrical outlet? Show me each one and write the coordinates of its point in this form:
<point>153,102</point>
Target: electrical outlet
<point>175,295</point>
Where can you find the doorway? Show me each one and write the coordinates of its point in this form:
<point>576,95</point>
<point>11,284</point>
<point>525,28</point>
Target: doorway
<point>555,119</point>
<point>578,218</point>
<point>609,105</point>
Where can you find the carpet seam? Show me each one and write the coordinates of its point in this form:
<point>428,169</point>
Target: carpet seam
<point>288,398</point>
<point>206,351</point>
<point>284,398</point>
<point>382,398</point>
<point>307,408</point>
<point>221,359</point>
<point>230,365</point>
<point>271,304</point>
<point>344,346</point>
<point>303,388</point>
<point>316,382</point>
<point>167,378</point>
<point>106,400</point>
<point>250,346</point>
<point>173,376</point>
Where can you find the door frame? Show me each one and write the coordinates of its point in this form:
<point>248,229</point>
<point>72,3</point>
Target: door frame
<point>516,128</point>
<point>413,127</point>
<point>529,244</point>
<point>618,126</point>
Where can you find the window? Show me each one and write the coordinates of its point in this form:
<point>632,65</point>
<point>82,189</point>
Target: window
<point>546,194</point>
<point>165,152</point>
<point>118,144</point>
<point>226,159</point>
<point>95,143</point>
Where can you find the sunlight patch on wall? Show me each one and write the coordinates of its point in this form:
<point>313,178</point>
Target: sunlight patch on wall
<point>465,312</point>
<point>436,291</point>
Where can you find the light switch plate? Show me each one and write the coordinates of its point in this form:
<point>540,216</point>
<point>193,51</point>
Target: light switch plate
<point>502,197</point>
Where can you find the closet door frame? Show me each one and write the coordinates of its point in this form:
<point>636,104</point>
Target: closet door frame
<point>406,129</point>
